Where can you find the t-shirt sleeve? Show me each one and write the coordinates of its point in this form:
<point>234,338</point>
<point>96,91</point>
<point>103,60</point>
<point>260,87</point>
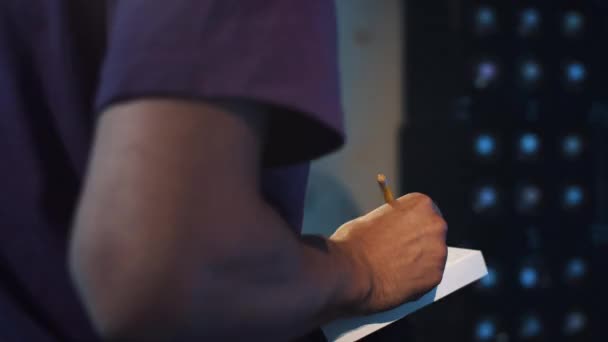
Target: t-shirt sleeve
<point>281,53</point>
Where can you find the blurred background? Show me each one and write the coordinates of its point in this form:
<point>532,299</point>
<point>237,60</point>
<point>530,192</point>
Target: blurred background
<point>499,111</point>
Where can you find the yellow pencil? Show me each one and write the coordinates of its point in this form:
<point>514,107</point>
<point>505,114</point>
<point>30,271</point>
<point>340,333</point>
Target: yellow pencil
<point>386,191</point>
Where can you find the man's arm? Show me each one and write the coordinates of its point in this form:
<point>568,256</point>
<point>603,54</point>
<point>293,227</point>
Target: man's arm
<point>172,238</point>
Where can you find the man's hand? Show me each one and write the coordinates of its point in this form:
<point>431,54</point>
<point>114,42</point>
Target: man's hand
<point>399,252</point>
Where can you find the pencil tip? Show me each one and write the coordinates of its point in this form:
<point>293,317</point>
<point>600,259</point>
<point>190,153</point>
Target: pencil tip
<point>381,178</point>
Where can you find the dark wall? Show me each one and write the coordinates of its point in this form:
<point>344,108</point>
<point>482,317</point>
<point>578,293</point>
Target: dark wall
<point>507,130</point>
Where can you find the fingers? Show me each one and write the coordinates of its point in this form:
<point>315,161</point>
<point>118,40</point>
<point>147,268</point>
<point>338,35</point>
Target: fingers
<point>424,203</point>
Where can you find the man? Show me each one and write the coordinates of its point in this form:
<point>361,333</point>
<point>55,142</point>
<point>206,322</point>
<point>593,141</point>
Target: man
<point>196,121</point>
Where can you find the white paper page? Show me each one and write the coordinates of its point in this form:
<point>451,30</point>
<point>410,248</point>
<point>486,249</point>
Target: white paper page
<point>463,267</point>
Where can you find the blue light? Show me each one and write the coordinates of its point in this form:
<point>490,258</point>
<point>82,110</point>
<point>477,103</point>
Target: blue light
<point>486,198</point>
<point>530,196</point>
<point>485,18</point>
<point>530,17</point>
<point>486,72</point>
<point>573,196</point>
<point>576,72</point>
<point>574,323</point>
<point>485,330</point>
<point>490,280</point>
<point>529,20</point>
<point>530,72</point>
<point>531,327</point>
<point>572,23</point>
<point>529,144</point>
<point>572,146</point>
<point>576,268</point>
<point>528,277</point>
<point>485,145</point>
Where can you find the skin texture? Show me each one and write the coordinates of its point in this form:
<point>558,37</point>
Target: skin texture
<point>174,241</point>
<point>400,248</point>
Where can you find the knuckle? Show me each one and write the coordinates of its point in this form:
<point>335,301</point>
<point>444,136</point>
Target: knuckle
<point>443,230</point>
<point>436,278</point>
<point>439,224</point>
<point>422,198</point>
<point>439,255</point>
<point>443,252</point>
<point>443,255</point>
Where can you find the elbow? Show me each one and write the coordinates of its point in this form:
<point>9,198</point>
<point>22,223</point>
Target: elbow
<point>125,304</point>
<point>120,306</point>
<point>95,286</point>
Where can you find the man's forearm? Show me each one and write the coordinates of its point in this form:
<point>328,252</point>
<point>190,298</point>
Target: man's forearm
<point>284,297</point>
<point>276,287</point>
<point>281,296</point>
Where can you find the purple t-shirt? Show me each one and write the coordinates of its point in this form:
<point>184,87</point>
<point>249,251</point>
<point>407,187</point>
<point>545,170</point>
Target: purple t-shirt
<point>57,74</point>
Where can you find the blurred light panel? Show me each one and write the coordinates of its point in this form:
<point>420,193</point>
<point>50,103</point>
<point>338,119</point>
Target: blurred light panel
<point>485,20</point>
<point>528,144</point>
<point>575,269</point>
<point>528,277</point>
<point>531,327</point>
<point>485,330</point>
<point>573,197</point>
<point>575,73</point>
<point>574,323</point>
<point>490,280</point>
<point>529,21</point>
<point>573,23</point>
<point>486,73</point>
<point>572,146</point>
<point>486,198</point>
<point>530,72</point>
<point>529,198</point>
<point>485,145</point>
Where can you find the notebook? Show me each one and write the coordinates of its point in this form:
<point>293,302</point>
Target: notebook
<point>463,267</point>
